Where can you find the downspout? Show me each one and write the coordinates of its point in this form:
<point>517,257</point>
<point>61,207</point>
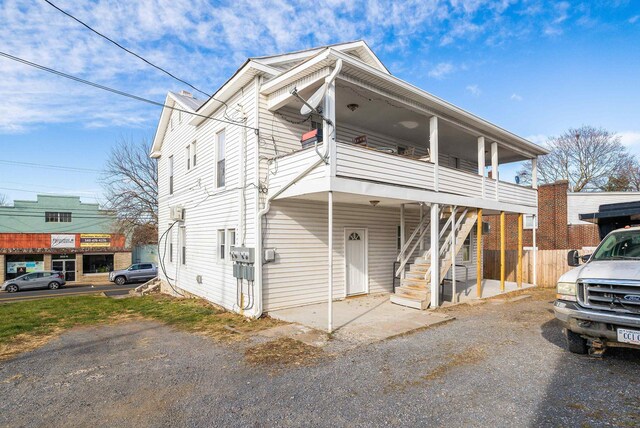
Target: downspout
<point>259,244</point>
<point>257,312</point>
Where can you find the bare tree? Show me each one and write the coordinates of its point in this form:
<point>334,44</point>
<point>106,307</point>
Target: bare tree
<point>587,157</point>
<point>627,180</point>
<point>130,180</point>
<point>4,201</point>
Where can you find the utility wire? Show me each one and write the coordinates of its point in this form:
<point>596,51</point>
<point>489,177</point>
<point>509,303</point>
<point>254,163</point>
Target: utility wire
<point>118,92</point>
<point>66,168</point>
<point>128,50</point>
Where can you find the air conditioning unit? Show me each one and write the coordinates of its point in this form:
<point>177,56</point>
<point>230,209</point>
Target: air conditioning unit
<point>177,213</point>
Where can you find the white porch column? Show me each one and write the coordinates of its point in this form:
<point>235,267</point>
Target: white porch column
<point>402,232</point>
<point>453,255</point>
<point>534,173</point>
<point>329,129</point>
<point>330,264</point>
<point>433,150</point>
<point>435,255</point>
<point>535,251</point>
<point>494,165</point>
<point>481,165</point>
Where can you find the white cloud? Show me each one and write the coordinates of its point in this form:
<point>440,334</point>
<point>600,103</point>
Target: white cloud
<point>634,19</point>
<point>515,97</point>
<point>441,70</point>
<point>474,90</point>
<point>204,42</point>
<point>630,139</point>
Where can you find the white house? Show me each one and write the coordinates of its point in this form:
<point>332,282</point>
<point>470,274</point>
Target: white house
<point>396,171</point>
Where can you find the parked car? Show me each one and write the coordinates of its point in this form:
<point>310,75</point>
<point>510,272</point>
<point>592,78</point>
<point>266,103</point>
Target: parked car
<point>29,281</point>
<point>135,273</point>
<point>599,301</point>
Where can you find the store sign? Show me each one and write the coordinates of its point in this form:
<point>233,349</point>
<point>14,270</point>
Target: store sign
<point>95,240</point>
<point>63,241</point>
<point>21,268</point>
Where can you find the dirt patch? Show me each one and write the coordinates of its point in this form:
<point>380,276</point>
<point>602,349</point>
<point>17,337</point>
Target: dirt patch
<point>283,352</point>
<point>469,356</point>
<point>26,342</point>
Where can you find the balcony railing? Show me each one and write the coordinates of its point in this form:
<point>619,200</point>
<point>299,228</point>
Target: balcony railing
<point>373,165</point>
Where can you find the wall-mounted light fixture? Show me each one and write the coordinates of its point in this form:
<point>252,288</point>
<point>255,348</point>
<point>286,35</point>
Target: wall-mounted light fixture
<point>374,203</point>
<point>353,106</point>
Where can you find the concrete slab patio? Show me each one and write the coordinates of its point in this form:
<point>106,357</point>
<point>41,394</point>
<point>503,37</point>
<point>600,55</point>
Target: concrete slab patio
<point>363,319</point>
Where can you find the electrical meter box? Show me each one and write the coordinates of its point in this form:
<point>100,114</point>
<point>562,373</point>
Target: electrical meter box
<point>242,255</point>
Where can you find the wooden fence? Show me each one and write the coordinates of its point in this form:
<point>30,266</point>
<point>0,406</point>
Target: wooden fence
<point>551,264</point>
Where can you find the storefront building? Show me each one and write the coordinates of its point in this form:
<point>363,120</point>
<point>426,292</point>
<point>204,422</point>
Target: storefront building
<point>63,234</point>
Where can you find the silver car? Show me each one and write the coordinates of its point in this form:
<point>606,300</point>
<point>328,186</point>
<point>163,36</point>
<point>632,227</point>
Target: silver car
<point>29,281</point>
<point>135,273</point>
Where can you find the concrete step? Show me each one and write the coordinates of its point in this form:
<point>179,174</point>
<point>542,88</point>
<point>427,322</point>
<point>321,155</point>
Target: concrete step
<point>409,302</point>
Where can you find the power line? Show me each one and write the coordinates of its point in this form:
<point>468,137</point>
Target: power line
<point>66,168</point>
<point>44,193</point>
<point>118,92</point>
<point>127,50</point>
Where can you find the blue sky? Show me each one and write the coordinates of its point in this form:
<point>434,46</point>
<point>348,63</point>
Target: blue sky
<point>534,67</point>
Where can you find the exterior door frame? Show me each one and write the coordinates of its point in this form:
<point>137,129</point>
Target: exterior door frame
<point>366,258</point>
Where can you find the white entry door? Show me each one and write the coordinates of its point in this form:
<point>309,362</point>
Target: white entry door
<point>355,256</point>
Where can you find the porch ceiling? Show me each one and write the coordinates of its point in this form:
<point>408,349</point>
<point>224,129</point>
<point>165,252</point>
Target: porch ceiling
<point>400,122</point>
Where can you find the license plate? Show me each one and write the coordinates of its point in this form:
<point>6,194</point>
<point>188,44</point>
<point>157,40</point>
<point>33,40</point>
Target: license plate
<point>629,336</point>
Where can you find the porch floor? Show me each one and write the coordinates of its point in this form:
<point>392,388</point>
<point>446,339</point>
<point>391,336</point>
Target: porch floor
<point>490,288</point>
<point>363,319</point>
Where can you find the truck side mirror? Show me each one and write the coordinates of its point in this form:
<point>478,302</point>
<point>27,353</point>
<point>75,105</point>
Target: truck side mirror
<point>585,258</point>
<point>573,259</point>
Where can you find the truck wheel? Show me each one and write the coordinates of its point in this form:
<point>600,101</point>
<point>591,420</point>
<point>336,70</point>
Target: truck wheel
<point>576,343</point>
<point>120,280</point>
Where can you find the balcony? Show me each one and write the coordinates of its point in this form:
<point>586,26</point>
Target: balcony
<point>379,167</point>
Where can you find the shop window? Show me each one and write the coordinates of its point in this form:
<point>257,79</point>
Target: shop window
<point>57,217</point>
<point>19,264</point>
<point>97,263</point>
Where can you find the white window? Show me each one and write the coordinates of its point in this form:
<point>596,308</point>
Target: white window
<point>170,244</point>
<point>188,156</point>
<point>530,221</point>
<point>220,159</point>
<point>171,175</point>
<point>183,245</point>
<point>231,239</point>
<point>193,154</point>
<point>222,248</point>
<point>466,249</point>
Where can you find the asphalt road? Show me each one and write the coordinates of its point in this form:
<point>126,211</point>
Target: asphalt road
<point>74,290</point>
<point>495,365</point>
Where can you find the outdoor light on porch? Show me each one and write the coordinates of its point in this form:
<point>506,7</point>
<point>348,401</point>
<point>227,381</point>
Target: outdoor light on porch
<point>353,106</point>
<point>374,203</point>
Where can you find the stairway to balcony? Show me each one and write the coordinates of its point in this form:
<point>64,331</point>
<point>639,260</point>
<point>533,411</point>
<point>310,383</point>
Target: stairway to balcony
<point>415,289</point>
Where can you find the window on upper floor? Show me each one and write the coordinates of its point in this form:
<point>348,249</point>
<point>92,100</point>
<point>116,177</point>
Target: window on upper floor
<point>220,159</point>
<point>171,175</point>
<point>193,154</point>
<point>57,217</point>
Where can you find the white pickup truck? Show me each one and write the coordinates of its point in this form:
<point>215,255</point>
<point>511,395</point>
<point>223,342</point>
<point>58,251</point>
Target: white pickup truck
<point>599,301</point>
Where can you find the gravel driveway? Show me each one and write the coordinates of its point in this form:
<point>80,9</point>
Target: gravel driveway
<point>495,365</point>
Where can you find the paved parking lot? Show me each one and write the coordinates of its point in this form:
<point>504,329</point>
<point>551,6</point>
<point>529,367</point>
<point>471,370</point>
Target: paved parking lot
<point>497,364</point>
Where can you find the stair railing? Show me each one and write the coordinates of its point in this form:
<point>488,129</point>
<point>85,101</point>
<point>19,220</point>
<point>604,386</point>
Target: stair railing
<point>404,261</point>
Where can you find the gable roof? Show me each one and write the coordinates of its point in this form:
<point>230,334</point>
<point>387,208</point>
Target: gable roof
<point>357,49</point>
<point>185,102</point>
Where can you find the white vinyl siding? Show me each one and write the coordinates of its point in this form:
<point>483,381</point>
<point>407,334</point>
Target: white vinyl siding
<point>209,208</point>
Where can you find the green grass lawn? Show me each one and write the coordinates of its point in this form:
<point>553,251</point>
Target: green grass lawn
<point>26,325</point>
